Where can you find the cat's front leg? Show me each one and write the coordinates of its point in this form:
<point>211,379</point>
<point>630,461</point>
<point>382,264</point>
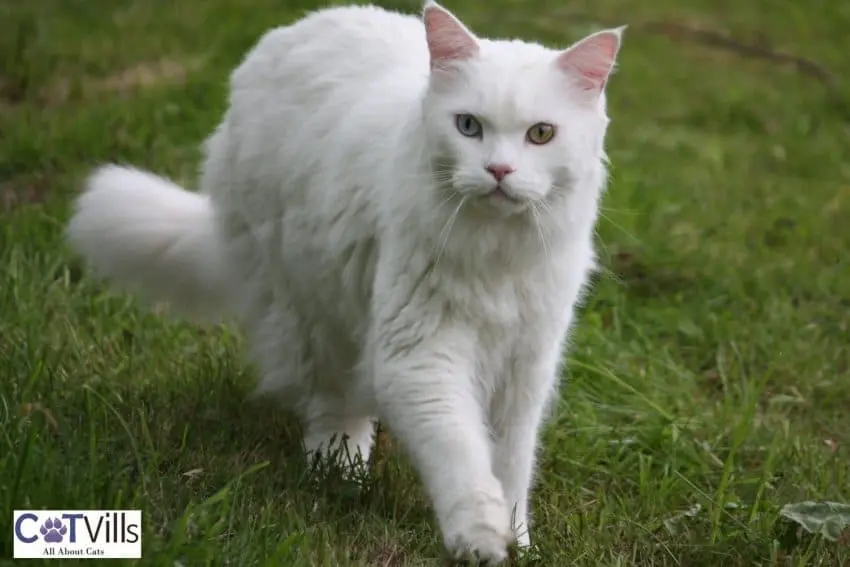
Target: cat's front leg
<point>518,415</point>
<point>427,397</point>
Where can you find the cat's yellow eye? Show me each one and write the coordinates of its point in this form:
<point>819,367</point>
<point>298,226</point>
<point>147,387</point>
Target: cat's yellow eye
<point>541,133</point>
<point>468,125</point>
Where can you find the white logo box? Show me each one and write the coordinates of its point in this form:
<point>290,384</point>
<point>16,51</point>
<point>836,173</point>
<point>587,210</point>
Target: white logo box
<point>82,534</point>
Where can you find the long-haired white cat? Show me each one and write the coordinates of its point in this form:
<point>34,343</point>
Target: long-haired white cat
<point>401,215</point>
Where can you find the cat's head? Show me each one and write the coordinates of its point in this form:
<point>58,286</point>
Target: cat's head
<point>512,123</point>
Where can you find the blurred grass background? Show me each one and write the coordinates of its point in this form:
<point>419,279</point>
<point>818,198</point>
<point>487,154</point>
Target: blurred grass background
<point>709,368</point>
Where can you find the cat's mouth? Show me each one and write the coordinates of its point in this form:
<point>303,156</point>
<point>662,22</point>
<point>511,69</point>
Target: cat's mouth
<point>500,194</point>
<point>504,200</point>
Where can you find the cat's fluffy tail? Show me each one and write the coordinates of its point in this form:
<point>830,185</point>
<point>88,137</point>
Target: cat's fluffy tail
<point>146,233</point>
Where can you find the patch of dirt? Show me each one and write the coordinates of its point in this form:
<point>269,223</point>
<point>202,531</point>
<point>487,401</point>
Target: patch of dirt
<point>387,554</point>
<point>643,281</point>
<point>22,191</point>
<point>11,92</point>
<point>143,75</point>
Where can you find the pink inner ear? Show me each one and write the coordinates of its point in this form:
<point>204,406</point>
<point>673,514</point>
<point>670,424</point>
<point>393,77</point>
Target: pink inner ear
<point>448,39</point>
<point>591,60</point>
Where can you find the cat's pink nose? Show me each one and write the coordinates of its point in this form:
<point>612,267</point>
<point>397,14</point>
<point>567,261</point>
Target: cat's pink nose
<point>499,170</point>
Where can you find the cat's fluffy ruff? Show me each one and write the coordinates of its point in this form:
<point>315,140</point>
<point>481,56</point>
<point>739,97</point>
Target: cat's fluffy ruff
<point>352,228</point>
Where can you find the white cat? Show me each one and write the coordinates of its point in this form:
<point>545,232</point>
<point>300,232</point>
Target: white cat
<point>401,215</point>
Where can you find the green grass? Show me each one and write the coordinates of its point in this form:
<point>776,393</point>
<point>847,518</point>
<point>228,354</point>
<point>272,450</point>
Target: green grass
<point>709,366</point>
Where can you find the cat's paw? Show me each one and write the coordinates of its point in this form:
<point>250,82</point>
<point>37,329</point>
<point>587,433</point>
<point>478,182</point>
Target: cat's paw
<point>478,529</point>
<point>339,462</point>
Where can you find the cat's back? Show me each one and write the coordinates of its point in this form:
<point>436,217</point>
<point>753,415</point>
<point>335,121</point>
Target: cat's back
<point>317,106</point>
<point>334,49</point>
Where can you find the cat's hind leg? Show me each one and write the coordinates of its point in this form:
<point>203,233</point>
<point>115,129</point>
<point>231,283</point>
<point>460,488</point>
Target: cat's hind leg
<point>289,371</point>
<point>333,431</point>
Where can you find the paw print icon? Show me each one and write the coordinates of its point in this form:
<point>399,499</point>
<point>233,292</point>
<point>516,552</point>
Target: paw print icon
<point>53,530</point>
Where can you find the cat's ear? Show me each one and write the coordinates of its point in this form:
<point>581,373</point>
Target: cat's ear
<point>448,39</point>
<point>590,61</point>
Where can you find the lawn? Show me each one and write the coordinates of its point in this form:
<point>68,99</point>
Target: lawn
<point>708,384</point>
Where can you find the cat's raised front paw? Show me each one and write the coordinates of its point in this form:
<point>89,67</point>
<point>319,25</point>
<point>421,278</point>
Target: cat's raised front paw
<point>478,529</point>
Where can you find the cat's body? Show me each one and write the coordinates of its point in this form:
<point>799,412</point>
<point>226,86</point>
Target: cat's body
<point>349,223</point>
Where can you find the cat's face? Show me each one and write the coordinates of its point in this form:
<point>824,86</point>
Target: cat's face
<point>513,122</point>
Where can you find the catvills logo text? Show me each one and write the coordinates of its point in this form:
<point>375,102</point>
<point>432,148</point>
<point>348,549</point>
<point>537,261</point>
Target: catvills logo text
<point>84,534</point>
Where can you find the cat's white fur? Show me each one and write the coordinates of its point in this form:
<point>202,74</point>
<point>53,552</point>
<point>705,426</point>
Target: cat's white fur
<point>347,222</point>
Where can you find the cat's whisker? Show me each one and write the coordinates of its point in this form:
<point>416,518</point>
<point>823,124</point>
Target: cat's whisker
<point>447,199</point>
<point>438,178</point>
<point>544,204</point>
<point>442,175</point>
<point>543,207</point>
<point>445,234</point>
<point>617,226</point>
<point>535,214</point>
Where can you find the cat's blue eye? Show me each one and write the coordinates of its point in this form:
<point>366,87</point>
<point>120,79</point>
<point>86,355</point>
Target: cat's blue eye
<point>468,125</point>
